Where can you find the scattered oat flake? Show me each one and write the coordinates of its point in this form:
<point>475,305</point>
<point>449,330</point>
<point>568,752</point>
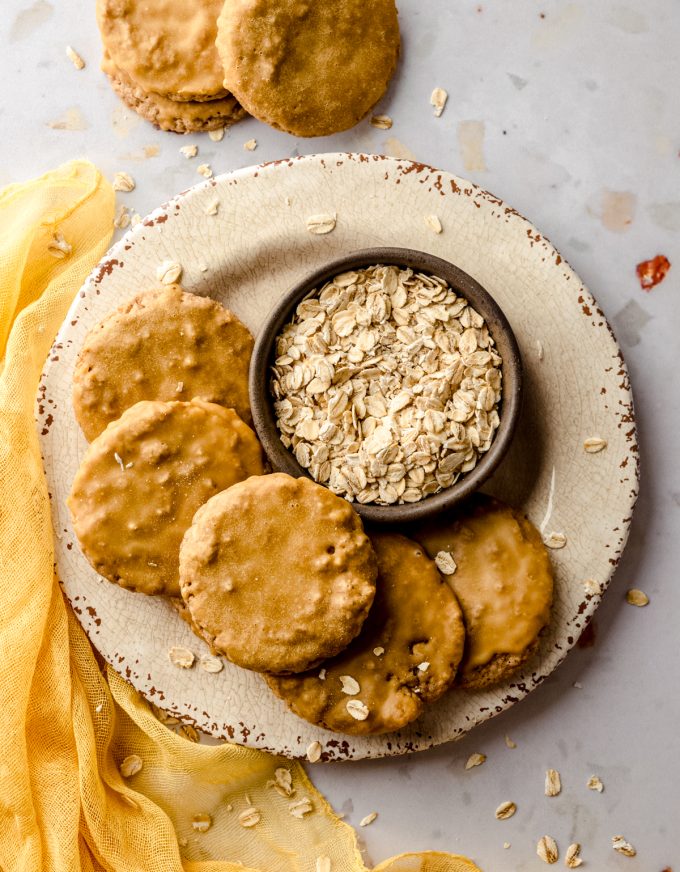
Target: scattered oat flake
<point>623,847</point>
<point>216,135</point>
<point>475,760</point>
<point>539,349</point>
<point>505,810</point>
<point>180,387</point>
<point>379,651</point>
<point>382,122</point>
<point>365,821</point>
<point>98,708</point>
<point>322,674</point>
<point>547,849</point>
<point>131,765</point>
<point>168,272</point>
<point>74,57</point>
<point>189,732</point>
<point>283,779</point>
<point>357,709</point>
<point>314,752</point>
<point>592,586</point>
<point>204,170</point>
<point>350,685</point>
<point>135,219</point>
<point>553,782</point>
<point>510,743</point>
<point>323,864</point>
<point>635,597</point>
<point>438,99</point>
<point>594,444</point>
<point>201,822</point>
<point>321,224</point>
<point>424,666</point>
<point>119,460</point>
<point>182,842</point>
<point>250,817</point>
<point>123,182</point>
<point>211,664</point>
<point>212,206</point>
<point>59,247</point>
<point>577,685</point>
<point>433,223</point>
<point>555,540</point>
<point>572,858</point>
<point>445,563</point>
<point>122,219</point>
<point>651,272</point>
<point>182,657</point>
<point>301,807</point>
<point>188,151</point>
<point>506,845</point>
<point>594,783</point>
<point>250,145</point>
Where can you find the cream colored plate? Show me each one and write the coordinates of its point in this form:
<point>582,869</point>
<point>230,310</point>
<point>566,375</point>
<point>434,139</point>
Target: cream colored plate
<point>246,256</point>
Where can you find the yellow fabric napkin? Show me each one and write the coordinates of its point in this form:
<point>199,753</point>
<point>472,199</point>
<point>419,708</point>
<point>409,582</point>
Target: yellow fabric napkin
<point>64,804</point>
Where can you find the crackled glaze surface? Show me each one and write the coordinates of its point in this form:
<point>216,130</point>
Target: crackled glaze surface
<point>247,255</point>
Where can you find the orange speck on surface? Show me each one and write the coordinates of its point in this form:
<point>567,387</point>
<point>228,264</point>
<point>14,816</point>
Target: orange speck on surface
<point>651,272</point>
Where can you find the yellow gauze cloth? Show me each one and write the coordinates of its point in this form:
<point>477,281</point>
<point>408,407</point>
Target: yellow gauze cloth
<point>64,804</point>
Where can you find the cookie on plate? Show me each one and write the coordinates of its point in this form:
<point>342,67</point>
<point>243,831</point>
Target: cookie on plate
<point>308,68</point>
<point>278,573</point>
<point>188,116</point>
<point>500,572</point>
<point>165,47</point>
<point>142,480</point>
<point>405,657</point>
<point>164,344</point>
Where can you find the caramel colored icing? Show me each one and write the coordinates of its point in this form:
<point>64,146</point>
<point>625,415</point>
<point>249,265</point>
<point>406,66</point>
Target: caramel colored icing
<point>141,481</point>
<point>503,578</point>
<point>405,657</point>
<point>278,572</point>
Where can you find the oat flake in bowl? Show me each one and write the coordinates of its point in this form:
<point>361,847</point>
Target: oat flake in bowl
<point>386,385</point>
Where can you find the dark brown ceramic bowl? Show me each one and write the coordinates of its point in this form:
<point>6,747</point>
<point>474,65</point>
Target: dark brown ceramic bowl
<point>282,460</point>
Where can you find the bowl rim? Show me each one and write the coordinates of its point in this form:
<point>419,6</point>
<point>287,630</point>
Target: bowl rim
<point>463,284</point>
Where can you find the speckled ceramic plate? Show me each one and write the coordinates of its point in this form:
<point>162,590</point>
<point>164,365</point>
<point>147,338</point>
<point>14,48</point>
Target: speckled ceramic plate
<point>246,256</point>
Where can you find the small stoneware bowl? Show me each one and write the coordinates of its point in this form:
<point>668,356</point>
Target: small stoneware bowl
<point>261,401</point>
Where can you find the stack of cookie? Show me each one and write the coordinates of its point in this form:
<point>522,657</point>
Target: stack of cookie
<point>358,631</point>
<point>308,68</point>
<point>160,58</point>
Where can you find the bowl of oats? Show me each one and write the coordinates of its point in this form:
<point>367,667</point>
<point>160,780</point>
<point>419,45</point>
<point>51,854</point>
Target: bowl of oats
<point>391,377</point>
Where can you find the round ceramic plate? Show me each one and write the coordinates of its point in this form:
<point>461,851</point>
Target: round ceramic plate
<point>248,253</point>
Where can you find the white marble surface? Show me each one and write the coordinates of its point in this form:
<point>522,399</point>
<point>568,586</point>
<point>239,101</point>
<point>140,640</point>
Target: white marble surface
<point>576,110</point>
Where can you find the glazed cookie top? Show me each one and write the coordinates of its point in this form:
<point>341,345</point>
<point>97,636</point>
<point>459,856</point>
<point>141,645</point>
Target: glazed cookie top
<point>141,481</point>
<point>165,46</point>
<point>500,573</point>
<point>405,657</point>
<point>164,344</point>
<point>309,68</point>
<point>279,572</point>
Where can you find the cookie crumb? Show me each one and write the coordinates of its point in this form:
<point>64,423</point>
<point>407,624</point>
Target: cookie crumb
<point>365,821</point>
<point>424,666</point>
<point>205,171</point>
<point>592,587</point>
<point>382,122</point>
<point>321,224</point>
<point>547,849</point>
<point>322,674</point>
<point>75,58</point>
<point>250,145</point>
<point>635,597</point>
<point>124,182</point>
<point>509,743</point>
<point>168,272</point>
<point>594,783</point>
<point>135,219</point>
<point>623,847</point>
<point>505,810</point>
<point>250,817</point>
<point>131,765</point>
<point>189,151</point>
<point>555,540</point>
<point>594,444</point>
<point>572,859</point>
<point>553,782</point>
<point>577,685</point>
<point>475,760</point>
<point>433,223</point>
<point>438,99</point>
<point>182,657</point>
<point>216,135</point>
<point>379,651</point>
<point>314,752</point>
<point>357,709</point>
<point>445,563</point>
<point>212,206</point>
<point>506,845</point>
<point>98,708</point>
